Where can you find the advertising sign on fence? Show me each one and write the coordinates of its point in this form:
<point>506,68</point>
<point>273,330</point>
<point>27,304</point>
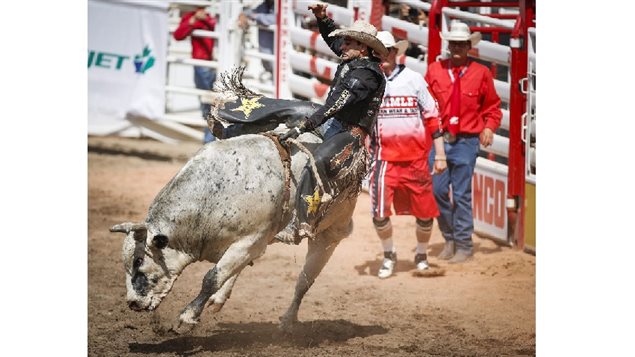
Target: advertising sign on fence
<point>126,62</point>
<point>489,193</point>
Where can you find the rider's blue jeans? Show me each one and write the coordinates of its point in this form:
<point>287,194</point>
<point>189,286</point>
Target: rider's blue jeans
<point>204,78</point>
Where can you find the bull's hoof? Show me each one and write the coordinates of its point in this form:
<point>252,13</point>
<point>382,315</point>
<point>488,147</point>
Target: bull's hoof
<point>215,303</point>
<point>184,325</point>
<point>287,323</point>
<point>215,307</point>
<point>188,317</point>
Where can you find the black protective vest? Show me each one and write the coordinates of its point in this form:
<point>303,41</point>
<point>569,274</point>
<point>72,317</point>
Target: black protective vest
<point>363,113</point>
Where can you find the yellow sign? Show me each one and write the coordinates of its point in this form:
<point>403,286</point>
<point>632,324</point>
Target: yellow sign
<point>313,201</point>
<point>248,105</point>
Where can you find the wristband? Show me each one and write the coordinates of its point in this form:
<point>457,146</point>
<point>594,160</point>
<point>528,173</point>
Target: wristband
<point>439,158</point>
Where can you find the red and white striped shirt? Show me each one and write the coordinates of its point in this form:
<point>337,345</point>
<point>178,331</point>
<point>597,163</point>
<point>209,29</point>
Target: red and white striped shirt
<point>407,114</point>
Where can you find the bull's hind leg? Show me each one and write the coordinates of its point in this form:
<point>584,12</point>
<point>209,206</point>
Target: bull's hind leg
<point>237,256</point>
<point>320,250</point>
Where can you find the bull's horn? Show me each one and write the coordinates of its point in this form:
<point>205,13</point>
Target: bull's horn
<point>127,227</point>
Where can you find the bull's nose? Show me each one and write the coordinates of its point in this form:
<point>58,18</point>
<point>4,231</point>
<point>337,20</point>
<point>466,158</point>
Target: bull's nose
<point>133,305</point>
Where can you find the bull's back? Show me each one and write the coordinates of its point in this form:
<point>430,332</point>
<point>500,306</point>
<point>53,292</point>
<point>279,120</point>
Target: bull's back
<point>229,189</point>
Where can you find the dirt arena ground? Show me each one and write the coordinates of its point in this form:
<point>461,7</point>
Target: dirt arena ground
<point>483,308</point>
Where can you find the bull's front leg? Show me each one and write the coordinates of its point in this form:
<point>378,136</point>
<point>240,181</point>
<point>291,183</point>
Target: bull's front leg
<point>237,256</point>
<point>320,250</point>
<point>218,299</point>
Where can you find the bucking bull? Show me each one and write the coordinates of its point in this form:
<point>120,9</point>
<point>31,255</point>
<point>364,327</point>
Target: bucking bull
<point>225,206</point>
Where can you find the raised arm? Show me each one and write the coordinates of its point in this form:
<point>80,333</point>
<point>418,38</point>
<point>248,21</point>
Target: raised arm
<point>185,28</point>
<point>326,26</point>
<point>199,20</point>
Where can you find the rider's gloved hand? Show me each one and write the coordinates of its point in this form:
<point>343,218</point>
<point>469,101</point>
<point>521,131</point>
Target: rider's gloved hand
<point>291,134</point>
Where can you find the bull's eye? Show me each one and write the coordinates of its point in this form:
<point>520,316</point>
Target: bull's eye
<point>137,263</point>
<point>154,280</point>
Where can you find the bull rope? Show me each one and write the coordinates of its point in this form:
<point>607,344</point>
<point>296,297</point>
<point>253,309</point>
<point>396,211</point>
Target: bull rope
<point>285,156</point>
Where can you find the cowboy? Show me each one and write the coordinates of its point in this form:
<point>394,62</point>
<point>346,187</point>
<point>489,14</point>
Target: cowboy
<point>470,114</point>
<point>400,145</point>
<point>353,100</point>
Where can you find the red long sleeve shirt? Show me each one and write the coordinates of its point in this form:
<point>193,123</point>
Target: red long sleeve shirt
<point>480,105</point>
<point>202,47</point>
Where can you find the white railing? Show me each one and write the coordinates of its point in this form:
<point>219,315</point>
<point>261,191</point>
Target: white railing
<point>319,67</point>
<point>529,121</point>
<point>340,15</point>
<point>414,4</point>
<point>192,61</point>
<point>308,87</point>
<point>415,33</point>
<point>312,40</point>
<point>326,67</point>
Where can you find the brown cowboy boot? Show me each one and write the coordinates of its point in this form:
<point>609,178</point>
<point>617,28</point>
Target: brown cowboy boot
<point>289,235</point>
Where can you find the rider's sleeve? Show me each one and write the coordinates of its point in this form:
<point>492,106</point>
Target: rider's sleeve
<point>326,26</point>
<point>360,84</point>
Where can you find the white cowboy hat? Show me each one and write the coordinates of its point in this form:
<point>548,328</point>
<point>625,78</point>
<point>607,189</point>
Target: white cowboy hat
<point>363,32</point>
<point>389,41</point>
<point>459,31</point>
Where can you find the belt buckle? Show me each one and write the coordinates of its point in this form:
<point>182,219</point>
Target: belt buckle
<point>449,138</point>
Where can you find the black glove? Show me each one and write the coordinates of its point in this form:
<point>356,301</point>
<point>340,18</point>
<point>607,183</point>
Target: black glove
<point>291,134</point>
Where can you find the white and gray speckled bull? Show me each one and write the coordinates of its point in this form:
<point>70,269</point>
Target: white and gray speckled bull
<point>224,206</point>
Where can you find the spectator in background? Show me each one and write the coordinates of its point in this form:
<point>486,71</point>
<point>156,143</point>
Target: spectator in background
<point>470,114</point>
<point>399,149</point>
<point>202,48</point>
<point>415,16</point>
<point>263,15</point>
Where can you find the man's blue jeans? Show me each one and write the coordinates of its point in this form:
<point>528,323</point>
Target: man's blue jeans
<point>456,222</point>
<point>204,78</point>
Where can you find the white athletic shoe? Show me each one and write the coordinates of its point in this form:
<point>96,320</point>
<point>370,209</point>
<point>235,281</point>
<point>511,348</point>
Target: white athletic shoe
<point>421,261</point>
<point>390,260</point>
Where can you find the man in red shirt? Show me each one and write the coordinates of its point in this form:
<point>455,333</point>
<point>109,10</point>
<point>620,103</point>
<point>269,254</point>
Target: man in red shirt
<point>202,48</point>
<point>470,114</point>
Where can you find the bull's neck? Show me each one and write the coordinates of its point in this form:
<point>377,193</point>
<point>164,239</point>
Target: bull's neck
<point>178,260</point>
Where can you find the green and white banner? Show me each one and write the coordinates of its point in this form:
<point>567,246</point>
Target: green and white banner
<point>127,47</point>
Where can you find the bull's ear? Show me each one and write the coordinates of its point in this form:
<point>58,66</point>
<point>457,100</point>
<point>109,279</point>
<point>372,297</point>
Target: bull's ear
<point>160,241</point>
